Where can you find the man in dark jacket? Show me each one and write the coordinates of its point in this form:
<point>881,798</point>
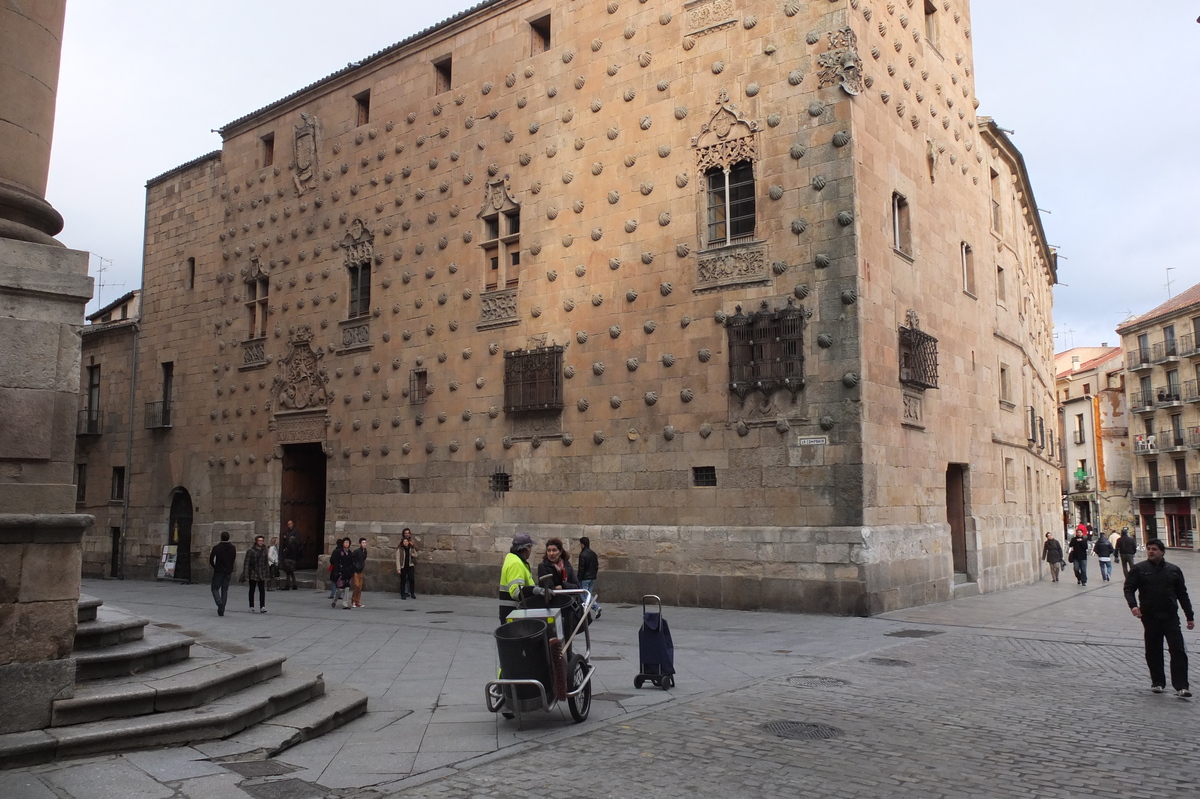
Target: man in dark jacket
<point>254,569</point>
<point>1077,555</point>
<point>221,559</point>
<point>1104,553</point>
<point>589,567</point>
<point>1155,590</point>
<point>289,554</point>
<point>1127,550</point>
<point>359,559</point>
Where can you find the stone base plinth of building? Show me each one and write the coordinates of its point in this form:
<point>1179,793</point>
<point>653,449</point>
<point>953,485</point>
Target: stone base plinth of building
<point>39,597</point>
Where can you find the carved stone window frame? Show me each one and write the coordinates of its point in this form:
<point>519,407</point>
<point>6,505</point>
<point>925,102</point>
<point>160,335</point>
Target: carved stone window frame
<point>358,246</point>
<point>500,239</point>
<point>726,139</point>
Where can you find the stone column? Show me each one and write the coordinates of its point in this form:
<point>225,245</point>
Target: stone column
<point>43,290</point>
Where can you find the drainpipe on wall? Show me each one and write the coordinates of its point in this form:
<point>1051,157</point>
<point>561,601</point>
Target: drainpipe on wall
<point>129,446</point>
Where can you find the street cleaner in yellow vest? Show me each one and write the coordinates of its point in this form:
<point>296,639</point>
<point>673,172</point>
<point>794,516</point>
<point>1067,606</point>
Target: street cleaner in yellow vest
<point>516,580</point>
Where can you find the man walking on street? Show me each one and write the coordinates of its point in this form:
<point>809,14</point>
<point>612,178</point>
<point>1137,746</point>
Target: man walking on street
<point>254,568</point>
<point>221,559</point>
<point>359,558</point>
<point>1155,590</point>
<point>589,567</point>
<point>1127,550</point>
<point>289,554</point>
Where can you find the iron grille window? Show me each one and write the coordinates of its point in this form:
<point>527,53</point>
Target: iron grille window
<point>704,475</point>
<point>418,386</point>
<point>360,289</point>
<point>918,358</point>
<point>766,350</point>
<point>500,482</point>
<point>533,380</point>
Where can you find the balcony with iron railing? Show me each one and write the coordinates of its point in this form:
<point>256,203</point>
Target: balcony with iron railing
<point>1141,401</point>
<point>91,422</point>
<point>1138,359</point>
<point>1172,485</point>
<point>1164,351</point>
<point>1146,445</point>
<point>1078,437</point>
<point>1187,346</point>
<point>1194,484</point>
<point>1170,441</point>
<point>158,415</point>
<point>1168,396</point>
<point>1192,434</point>
<point>1191,391</point>
<point>1146,486</point>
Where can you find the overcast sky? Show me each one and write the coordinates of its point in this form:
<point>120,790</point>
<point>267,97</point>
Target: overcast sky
<point>1102,98</point>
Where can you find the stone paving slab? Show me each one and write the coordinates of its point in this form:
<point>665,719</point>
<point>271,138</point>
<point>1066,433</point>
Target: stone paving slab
<point>1038,691</point>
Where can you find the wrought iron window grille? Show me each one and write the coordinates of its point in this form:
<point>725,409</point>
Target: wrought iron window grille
<point>533,379</point>
<point>766,350</point>
<point>918,356</point>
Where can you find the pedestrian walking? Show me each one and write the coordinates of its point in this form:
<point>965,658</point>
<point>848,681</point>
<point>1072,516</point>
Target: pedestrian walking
<point>1127,550</point>
<point>359,560</point>
<point>335,555</point>
<point>342,573</point>
<point>1077,555</point>
<point>557,564</point>
<point>255,570</point>
<point>1155,590</point>
<point>1104,553</point>
<point>1052,553</point>
<point>273,564</point>
<point>406,560</point>
<point>589,568</point>
<point>290,555</point>
<point>221,558</point>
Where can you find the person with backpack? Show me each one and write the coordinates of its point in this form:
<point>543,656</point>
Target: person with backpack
<point>1104,553</point>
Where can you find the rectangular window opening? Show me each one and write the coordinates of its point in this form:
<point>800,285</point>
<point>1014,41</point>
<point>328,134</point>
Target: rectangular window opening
<point>901,228</point>
<point>968,268</point>
<point>704,475</point>
<point>191,273</point>
<point>500,482</point>
<point>80,483</point>
<point>405,486</point>
<point>931,23</point>
<point>1001,291</point>
<point>730,204</point>
<point>995,201</point>
<point>118,484</point>
<point>443,74</point>
<point>418,383</point>
<point>362,108</point>
<point>268,149</point>
<point>533,380</point>
<point>360,289</point>
<point>539,31</point>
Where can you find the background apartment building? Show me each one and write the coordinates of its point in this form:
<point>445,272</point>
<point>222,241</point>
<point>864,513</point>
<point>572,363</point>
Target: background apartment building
<point>1162,359</point>
<point>747,293</point>
<point>1094,438</point>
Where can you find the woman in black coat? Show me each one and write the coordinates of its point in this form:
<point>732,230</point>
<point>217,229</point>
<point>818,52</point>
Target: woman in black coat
<point>341,570</point>
<point>557,563</point>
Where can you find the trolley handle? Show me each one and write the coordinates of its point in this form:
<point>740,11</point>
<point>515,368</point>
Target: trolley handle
<point>588,600</point>
<point>657,601</point>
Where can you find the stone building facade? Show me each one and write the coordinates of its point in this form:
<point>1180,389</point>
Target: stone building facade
<point>744,291</point>
<point>1093,431</point>
<point>1162,359</point>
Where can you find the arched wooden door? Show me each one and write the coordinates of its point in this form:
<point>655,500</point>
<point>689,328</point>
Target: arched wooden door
<point>179,532</point>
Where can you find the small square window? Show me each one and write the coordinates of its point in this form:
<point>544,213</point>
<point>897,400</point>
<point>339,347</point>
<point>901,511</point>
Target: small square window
<point>443,75</point>
<point>268,149</point>
<point>704,475</point>
<point>539,31</point>
<point>362,108</point>
<point>405,486</point>
<point>500,482</point>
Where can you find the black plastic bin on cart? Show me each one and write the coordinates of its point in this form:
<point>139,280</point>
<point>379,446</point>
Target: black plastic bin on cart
<point>656,650</point>
<point>524,652</point>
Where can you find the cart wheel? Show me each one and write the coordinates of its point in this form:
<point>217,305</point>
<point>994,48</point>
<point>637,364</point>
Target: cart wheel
<point>580,705</point>
<point>638,680</point>
<point>668,682</point>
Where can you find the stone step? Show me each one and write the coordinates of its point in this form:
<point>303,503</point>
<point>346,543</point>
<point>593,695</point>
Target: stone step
<point>219,719</point>
<point>158,648</point>
<point>87,607</point>
<point>145,693</point>
<point>108,628</point>
<point>339,705</point>
<point>961,590</point>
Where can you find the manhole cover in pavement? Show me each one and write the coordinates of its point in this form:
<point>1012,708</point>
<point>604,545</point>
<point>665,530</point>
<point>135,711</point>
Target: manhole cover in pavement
<point>439,611</point>
<point>886,662</point>
<point>806,681</point>
<point>1037,664</point>
<point>610,697</point>
<point>914,633</point>
<point>284,789</point>
<point>800,731</point>
<point>259,768</point>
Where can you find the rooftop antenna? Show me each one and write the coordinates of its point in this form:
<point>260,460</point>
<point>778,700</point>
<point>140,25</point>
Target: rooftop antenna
<point>100,284</point>
<point>1170,269</point>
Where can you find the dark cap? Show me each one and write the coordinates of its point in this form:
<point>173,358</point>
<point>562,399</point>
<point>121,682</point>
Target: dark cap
<point>521,540</point>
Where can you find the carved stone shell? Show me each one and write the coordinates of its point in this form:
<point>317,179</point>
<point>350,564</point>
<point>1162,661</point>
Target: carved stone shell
<point>614,401</point>
<point>507,442</point>
<point>824,341</point>
<point>718,67</point>
<point>631,295</point>
<point>650,326</point>
<point>822,261</point>
<point>850,380</point>
<point>596,45</point>
<point>799,226</point>
<point>845,218</point>
<point>568,56</point>
<point>631,364</point>
<point>775,192</point>
<point>668,359</point>
<point>849,297</point>
<point>598,368</point>
<point>568,305</point>
<point>493,348</point>
<point>645,122</point>
<point>614,263</point>
<point>782,426</point>
<point>598,437</point>
<point>742,428</point>
<point>582,404</point>
<point>797,151</point>
<point>795,77</point>
<point>597,234</point>
<point>779,267</point>
<point>682,249</point>
<point>686,395</point>
<point>614,331</point>
<point>819,183</point>
<point>580,270</point>
<point>596,106</point>
<point>801,291</point>
<point>753,89</point>
<point>689,42</point>
<point>552,213</point>
<point>841,138</point>
<point>644,59</point>
<point>705,355</point>
<point>629,94</point>
<point>650,398</point>
<point>581,337</point>
<point>681,180</point>
<point>480,443</point>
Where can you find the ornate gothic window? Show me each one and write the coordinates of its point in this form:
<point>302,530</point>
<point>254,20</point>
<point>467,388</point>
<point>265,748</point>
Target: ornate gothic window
<point>501,245</point>
<point>918,355</point>
<point>533,380</point>
<point>726,151</point>
<point>258,286</point>
<point>766,350</point>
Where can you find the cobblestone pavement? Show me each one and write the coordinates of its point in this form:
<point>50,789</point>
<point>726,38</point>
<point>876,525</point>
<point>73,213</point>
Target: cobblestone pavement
<point>1038,691</point>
